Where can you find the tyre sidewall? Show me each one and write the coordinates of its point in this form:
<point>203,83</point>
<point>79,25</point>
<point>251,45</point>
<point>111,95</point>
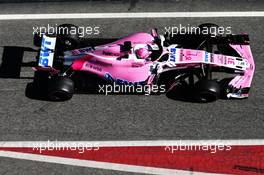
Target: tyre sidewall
<point>207,90</point>
<point>60,88</point>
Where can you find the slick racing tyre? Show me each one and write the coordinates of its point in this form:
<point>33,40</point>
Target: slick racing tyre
<point>38,88</point>
<point>41,78</point>
<point>60,89</point>
<point>207,91</point>
<point>68,36</point>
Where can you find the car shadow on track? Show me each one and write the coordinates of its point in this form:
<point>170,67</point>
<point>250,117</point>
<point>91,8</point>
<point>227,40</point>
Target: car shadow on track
<point>12,57</point>
<point>12,61</point>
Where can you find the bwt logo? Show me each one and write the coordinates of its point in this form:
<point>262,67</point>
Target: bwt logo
<point>172,54</point>
<point>45,53</point>
<point>206,57</point>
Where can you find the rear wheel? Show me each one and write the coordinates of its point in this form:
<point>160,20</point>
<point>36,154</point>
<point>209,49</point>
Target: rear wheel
<point>40,82</point>
<point>60,89</point>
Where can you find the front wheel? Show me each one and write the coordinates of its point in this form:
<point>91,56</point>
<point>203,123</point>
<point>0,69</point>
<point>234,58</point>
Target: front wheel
<point>60,89</point>
<point>207,91</point>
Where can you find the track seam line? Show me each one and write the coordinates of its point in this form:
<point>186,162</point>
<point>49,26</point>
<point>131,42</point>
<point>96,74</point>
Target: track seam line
<point>132,15</point>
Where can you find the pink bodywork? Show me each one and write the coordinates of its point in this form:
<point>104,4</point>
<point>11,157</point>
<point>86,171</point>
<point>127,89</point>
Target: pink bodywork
<point>184,58</point>
<point>244,81</point>
<point>103,60</point>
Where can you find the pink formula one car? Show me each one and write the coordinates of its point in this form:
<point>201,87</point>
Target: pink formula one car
<point>179,65</point>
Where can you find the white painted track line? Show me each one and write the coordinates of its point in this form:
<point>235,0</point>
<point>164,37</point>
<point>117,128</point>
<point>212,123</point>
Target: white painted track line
<point>133,15</point>
<point>133,143</point>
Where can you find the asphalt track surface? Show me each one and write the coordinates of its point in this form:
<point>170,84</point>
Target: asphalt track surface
<point>122,117</point>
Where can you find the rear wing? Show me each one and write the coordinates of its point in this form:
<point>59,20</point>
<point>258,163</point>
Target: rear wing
<point>47,51</point>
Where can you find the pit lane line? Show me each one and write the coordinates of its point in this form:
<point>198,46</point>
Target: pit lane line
<point>133,15</point>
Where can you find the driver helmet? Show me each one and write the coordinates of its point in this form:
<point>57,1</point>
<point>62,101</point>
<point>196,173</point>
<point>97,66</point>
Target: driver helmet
<point>143,53</point>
